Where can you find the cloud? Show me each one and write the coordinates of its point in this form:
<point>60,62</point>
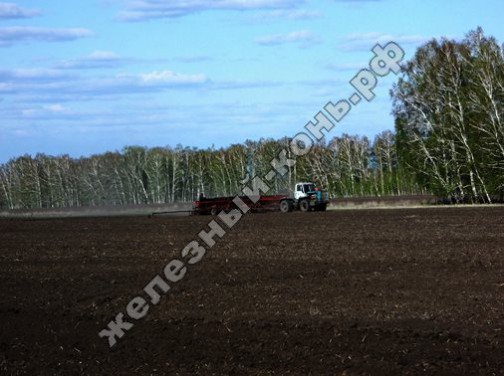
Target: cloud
<point>150,9</point>
<point>40,84</point>
<point>110,59</point>
<point>241,84</point>
<point>171,78</point>
<point>31,75</point>
<point>95,60</point>
<point>45,112</point>
<point>287,14</point>
<point>28,81</point>
<point>366,41</point>
<point>191,59</point>
<point>16,34</point>
<point>33,88</point>
<point>302,37</point>
<point>58,108</point>
<point>345,66</point>
<point>12,11</point>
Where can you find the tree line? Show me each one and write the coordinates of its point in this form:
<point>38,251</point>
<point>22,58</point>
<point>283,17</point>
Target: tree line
<point>345,166</point>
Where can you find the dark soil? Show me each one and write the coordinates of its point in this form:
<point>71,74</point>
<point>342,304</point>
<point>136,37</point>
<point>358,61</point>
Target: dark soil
<point>402,291</point>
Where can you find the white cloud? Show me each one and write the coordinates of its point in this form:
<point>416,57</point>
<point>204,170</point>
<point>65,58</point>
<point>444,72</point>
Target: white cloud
<point>191,59</point>
<point>366,41</point>
<point>148,9</point>
<point>15,34</point>
<point>41,85</point>
<point>110,59</point>
<point>103,55</point>
<point>241,84</point>
<point>31,75</point>
<point>56,108</point>
<point>21,133</point>
<point>12,11</point>
<point>345,66</point>
<point>29,113</point>
<point>97,59</point>
<point>287,14</point>
<point>44,112</point>
<point>169,77</point>
<point>303,37</point>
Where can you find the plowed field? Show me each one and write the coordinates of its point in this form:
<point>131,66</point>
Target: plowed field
<point>400,291</point>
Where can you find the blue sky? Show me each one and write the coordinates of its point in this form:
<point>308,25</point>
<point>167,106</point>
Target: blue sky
<point>84,77</point>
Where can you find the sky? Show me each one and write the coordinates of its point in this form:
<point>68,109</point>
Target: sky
<point>85,77</point>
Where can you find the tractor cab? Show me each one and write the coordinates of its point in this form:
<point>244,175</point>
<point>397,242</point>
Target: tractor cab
<point>303,190</point>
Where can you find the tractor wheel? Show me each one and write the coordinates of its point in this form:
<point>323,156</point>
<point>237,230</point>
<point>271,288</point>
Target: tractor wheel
<point>304,206</point>
<point>285,206</point>
<point>321,207</point>
<point>214,211</point>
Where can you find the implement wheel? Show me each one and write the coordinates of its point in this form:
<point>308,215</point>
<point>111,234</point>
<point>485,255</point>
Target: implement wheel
<point>285,206</point>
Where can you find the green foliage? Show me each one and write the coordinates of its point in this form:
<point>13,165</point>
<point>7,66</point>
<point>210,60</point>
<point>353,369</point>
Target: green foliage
<point>448,106</point>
